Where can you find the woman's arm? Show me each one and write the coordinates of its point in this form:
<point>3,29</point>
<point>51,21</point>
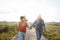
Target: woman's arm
<point>44,26</point>
<point>33,25</point>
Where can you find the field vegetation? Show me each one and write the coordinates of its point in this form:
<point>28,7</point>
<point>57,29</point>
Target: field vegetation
<point>9,29</point>
<point>53,31</point>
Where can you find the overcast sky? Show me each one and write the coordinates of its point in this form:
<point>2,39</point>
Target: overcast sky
<point>11,10</point>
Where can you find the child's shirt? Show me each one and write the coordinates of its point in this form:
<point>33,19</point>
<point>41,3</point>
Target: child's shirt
<point>22,26</point>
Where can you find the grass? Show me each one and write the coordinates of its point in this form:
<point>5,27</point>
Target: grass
<point>8,35</point>
<point>53,32</point>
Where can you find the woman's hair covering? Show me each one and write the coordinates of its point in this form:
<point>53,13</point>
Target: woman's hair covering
<point>22,17</point>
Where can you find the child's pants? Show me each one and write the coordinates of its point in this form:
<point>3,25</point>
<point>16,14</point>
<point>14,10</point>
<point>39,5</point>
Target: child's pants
<point>21,35</point>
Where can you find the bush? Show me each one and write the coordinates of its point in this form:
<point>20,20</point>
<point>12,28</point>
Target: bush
<point>8,32</point>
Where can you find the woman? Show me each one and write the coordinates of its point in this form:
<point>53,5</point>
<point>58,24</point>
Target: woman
<point>40,26</point>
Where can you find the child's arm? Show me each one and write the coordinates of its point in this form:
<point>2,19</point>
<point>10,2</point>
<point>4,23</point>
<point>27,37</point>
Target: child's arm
<point>28,25</point>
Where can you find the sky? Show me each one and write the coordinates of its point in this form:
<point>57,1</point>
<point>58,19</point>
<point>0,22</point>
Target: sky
<point>11,10</point>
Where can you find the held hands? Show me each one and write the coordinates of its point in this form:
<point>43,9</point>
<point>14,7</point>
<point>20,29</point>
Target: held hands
<point>35,25</point>
<point>30,26</point>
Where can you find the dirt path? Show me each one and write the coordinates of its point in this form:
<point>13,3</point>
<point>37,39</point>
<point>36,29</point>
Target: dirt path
<point>30,35</point>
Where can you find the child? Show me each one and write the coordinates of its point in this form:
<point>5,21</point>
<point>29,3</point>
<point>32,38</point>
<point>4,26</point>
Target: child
<point>22,28</point>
